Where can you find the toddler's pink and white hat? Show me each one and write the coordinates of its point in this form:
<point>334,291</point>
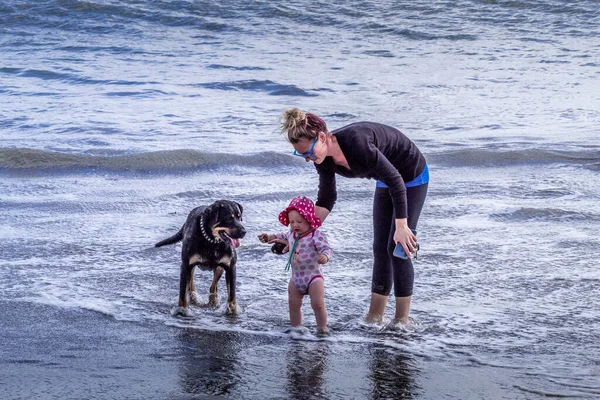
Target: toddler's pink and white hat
<point>305,207</point>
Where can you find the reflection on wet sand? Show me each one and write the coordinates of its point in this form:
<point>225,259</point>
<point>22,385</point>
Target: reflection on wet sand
<point>393,375</point>
<point>239,365</point>
<point>209,364</point>
<point>306,362</point>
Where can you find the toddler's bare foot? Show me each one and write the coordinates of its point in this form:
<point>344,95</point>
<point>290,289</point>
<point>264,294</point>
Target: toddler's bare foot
<point>299,330</point>
<point>323,332</point>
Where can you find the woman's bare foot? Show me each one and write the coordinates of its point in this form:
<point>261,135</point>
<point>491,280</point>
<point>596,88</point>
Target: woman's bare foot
<point>402,323</point>
<point>373,318</point>
<point>406,321</point>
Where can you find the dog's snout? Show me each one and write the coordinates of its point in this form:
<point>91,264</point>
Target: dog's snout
<point>242,232</point>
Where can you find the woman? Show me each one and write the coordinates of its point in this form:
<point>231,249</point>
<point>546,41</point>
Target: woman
<point>370,150</point>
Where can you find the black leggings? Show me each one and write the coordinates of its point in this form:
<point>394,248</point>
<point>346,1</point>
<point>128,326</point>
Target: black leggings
<point>386,267</point>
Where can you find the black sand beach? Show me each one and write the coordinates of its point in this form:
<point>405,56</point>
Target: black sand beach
<point>51,353</point>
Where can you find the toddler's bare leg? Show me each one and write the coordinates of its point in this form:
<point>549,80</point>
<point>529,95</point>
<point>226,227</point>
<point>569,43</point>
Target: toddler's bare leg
<point>295,303</point>
<point>316,291</point>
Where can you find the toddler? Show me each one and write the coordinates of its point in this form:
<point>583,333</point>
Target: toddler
<point>308,248</point>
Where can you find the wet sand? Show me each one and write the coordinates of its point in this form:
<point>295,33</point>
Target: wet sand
<point>55,353</point>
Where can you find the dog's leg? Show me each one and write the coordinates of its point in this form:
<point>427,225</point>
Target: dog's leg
<point>232,307</point>
<point>213,299</point>
<point>184,278</point>
<point>192,289</point>
<point>191,285</point>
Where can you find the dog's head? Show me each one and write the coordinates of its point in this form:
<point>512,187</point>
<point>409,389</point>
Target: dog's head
<point>224,219</point>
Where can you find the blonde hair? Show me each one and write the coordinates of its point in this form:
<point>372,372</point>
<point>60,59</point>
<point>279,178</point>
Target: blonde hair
<point>298,125</point>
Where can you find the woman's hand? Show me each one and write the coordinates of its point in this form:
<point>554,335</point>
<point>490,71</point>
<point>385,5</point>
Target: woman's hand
<point>405,237</point>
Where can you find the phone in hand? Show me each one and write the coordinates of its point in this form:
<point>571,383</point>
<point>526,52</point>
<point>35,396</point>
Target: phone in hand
<point>399,252</point>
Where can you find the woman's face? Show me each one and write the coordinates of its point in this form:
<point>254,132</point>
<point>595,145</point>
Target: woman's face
<point>298,223</point>
<point>312,149</point>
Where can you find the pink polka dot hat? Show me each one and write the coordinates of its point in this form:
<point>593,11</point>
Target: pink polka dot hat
<point>305,207</point>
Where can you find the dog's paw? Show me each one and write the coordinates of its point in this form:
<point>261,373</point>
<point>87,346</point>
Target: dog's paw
<point>182,311</point>
<point>213,300</point>
<point>233,309</point>
<point>194,298</point>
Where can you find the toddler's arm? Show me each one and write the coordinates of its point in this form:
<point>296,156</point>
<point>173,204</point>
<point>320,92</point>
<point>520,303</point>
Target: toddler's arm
<point>266,237</point>
<point>280,245</point>
<point>323,247</point>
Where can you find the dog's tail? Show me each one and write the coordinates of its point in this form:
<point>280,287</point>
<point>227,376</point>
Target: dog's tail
<point>173,239</point>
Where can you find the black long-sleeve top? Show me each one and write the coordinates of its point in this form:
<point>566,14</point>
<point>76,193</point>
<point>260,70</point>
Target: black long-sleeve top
<point>373,151</point>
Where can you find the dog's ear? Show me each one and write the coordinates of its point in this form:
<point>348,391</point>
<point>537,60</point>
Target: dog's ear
<point>241,208</point>
<point>212,214</point>
<point>235,207</point>
<point>223,210</point>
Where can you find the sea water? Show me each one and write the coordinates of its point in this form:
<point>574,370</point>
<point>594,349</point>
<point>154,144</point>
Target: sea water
<point>119,117</point>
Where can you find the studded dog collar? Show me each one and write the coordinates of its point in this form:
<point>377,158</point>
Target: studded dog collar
<point>206,236</point>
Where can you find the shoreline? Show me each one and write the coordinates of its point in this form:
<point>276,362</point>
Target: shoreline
<point>50,352</point>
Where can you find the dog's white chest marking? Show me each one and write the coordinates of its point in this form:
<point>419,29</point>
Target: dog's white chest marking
<point>197,259</point>
<point>225,260</point>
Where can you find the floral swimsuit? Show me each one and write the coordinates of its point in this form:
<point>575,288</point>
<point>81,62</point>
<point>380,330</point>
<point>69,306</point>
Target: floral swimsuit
<point>305,268</point>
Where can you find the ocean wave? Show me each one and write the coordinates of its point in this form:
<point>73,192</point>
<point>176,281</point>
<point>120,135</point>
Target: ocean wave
<point>249,17</point>
<point>273,88</point>
<point>27,159</point>
<point>107,17</point>
<point>594,166</point>
<point>494,157</point>
<point>234,68</point>
<point>66,77</point>
<point>544,214</point>
<point>24,159</point>
<point>413,34</point>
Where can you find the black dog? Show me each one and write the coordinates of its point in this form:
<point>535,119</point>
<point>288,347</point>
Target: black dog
<point>209,237</point>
